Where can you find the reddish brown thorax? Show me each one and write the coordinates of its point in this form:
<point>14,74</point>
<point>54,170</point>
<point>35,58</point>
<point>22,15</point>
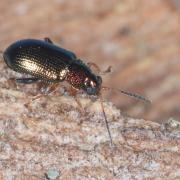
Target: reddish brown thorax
<point>76,76</point>
<point>81,77</point>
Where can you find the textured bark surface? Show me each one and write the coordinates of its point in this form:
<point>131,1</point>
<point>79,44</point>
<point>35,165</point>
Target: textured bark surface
<point>53,134</point>
<point>52,137</point>
<point>140,39</point>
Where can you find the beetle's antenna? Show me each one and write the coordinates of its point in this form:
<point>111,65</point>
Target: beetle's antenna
<point>136,96</point>
<point>106,122</point>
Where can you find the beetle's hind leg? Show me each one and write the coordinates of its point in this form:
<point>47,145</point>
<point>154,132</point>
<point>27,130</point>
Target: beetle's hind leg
<point>45,91</point>
<point>48,40</point>
<point>27,80</point>
<point>13,82</point>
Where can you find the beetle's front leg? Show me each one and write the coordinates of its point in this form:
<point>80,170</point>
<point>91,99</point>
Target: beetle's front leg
<point>73,93</point>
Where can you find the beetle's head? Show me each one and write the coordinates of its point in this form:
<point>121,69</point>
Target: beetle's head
<point>92,84</point>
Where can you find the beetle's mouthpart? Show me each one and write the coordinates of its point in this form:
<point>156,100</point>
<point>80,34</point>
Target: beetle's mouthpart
<point>91,91</point>
<point>136,96</point>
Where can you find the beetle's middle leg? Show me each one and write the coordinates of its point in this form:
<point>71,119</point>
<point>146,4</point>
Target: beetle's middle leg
<point>48,40</point>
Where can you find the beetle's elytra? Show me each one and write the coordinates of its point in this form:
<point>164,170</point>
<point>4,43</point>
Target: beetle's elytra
<point>45,61</point>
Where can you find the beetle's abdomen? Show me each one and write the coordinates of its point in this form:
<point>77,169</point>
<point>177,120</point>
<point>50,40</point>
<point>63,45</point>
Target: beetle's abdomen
<point>39,59</point>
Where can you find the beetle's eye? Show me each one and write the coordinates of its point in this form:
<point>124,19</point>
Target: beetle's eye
<point>92,84</point>
<point>87,82</point>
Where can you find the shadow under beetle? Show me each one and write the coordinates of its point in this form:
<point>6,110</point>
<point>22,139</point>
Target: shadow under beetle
<point>46,62</point>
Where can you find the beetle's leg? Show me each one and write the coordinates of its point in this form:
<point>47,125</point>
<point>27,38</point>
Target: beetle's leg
<point>45,91</point>
<point>11,82</point>
<point>27,80</point>
<point>73,92</point>
<point>48,40</point>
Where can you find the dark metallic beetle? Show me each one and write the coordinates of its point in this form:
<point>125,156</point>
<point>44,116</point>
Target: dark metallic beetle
<point>47,62</point>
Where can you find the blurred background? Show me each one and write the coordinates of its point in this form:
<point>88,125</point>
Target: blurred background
<point>140,39</point>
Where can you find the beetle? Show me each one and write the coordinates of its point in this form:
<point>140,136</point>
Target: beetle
<point>49,63</point>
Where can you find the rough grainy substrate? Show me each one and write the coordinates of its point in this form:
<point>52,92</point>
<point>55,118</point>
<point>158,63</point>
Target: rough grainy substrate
<point>140,39</point>
<point>53,135</point>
